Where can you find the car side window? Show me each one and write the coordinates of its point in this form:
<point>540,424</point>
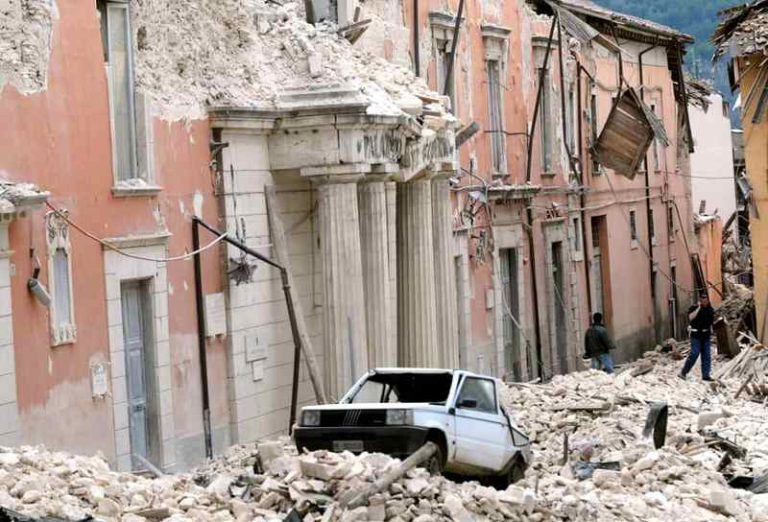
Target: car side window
<point>477,395</point>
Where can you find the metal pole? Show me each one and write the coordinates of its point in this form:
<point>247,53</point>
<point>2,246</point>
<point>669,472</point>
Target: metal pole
<point>582,198</point>
<point>538,100</point>
<point>648,210</point>
<point>288,302</point>
<point>416,52</point>
<point>296,347</point>
<point>537,322</point>
<point>201,339</point>
<point>454,44</point>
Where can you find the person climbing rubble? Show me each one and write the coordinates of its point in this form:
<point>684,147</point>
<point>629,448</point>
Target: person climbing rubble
<point>701,317</point>
<point>598,345</point>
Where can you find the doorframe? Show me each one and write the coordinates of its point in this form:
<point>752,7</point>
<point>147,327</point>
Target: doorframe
<point>555,232</point>
<point>118,269</point>
<point>512,236</point>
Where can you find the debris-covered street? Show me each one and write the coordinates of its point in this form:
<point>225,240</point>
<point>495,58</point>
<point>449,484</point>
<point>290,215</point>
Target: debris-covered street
<point>592,463</point>
<point>383,260</point>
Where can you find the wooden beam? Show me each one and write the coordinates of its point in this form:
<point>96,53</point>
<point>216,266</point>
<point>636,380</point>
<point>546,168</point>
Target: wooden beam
<point>281,256</point>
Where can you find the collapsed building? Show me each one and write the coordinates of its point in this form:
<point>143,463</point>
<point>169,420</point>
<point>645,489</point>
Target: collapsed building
<point>442,189</point>
<point>741,40</point>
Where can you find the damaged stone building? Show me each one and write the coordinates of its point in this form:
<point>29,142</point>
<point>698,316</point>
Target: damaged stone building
<point>741,40</point>
<point>412,237</point>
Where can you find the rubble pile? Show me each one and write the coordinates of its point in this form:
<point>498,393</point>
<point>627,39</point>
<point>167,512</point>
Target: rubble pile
<point>591,462</point>
<point>25,43</point>
<point>595,422</point>
<point>254,50</point>
<point>38,483</point>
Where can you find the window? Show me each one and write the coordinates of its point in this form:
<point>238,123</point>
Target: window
<point>496,118</point>
<point>443,59</point>
<point>595,232</point>
<point>576,247</point>
<point>571,119</point>
<point>633,225</point>
<point>593,126</point>
<point>60,280</point>
<point>127,108</point>
<point>656,164</point>
<point>726,109</point>
<point>671,222</point>
<point>481,391</point>
<point>545,124</point>
<point>651,227</point>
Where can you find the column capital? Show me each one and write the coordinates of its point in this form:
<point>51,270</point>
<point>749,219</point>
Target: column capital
<point>345,173</point>
<point>443,168</point>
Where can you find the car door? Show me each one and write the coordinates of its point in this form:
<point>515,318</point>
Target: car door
<point>480,427</point>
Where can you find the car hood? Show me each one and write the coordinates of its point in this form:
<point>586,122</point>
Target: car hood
<point>375,406</point>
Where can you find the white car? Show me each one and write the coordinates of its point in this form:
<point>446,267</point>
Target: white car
<point>396,410</point>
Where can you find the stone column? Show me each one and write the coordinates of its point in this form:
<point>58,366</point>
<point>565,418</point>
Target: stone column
<point>445,279</point>
<point>344,305</point>
<point>374,240</point>
<point>417,328</point>
<point>391,194</point>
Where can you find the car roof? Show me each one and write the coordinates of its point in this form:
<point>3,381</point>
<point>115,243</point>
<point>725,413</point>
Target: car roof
<point>426,371</point>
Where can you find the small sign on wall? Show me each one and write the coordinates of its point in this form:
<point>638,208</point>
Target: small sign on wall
<point>99,381</point>
<point>257,369</point>
<point>254,348</point>
<point>215,314</point>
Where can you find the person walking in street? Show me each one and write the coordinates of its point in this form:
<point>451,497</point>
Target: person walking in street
<point>598,345</point>
<point>701,318</point>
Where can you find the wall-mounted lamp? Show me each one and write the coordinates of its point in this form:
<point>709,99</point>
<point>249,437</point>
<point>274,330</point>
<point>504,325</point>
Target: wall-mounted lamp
<point>37,288</point>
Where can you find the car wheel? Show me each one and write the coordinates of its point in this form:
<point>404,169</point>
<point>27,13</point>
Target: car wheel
<point>515,473</point>
<point>434,464</point>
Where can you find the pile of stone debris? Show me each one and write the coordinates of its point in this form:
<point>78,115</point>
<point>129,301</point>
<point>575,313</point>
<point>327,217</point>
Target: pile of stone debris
<point>592,462</point>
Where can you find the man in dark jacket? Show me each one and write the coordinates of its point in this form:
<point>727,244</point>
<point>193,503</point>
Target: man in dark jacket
<point>701,318</point>
<point>598,345</point>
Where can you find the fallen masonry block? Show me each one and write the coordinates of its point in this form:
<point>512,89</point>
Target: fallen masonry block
<point>709,417</point>
<point>269,451</point>
<point>322,471</point>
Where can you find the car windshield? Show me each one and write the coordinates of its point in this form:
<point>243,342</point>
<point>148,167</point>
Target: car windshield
<point>405,388</point>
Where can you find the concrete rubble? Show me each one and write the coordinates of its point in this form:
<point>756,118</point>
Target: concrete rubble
<point>26,27</point>
<point>252,52</point>
<point>603,417</point>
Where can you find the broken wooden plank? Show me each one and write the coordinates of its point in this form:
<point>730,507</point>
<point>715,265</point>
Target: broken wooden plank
<point>416,458</point>
<point>281,254</point>
<point>354,26</point>
<point>466,133</point>
<point>744,385</point>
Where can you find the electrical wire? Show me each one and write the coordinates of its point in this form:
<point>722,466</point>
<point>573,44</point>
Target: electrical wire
<point>112,247</point>
<point>657,267</point>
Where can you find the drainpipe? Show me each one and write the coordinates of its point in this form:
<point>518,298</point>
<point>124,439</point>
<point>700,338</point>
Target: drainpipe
<point>196,223</point>
<point>201,340</point>
<point>534,287</point>
<point>582,198</point>
<point>648,203</point>
<point>529,208</point>
<point>538,100</point>
<point>416,54</point>
<point>454,44</point>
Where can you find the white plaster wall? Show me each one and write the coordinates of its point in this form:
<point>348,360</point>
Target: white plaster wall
<point>9,411</point>
<point>119,268</point>
<point>712,163</point>
<point>259,408</point>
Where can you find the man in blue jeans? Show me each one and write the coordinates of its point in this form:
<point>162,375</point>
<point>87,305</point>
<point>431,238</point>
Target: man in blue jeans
<point>701,318</point>
<point>598,345</point>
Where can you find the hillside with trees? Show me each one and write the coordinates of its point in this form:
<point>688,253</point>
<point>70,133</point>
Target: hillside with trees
<point>695,17</point>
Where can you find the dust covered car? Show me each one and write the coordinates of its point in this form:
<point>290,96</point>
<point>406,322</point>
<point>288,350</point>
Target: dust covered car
<point>396,410</point>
